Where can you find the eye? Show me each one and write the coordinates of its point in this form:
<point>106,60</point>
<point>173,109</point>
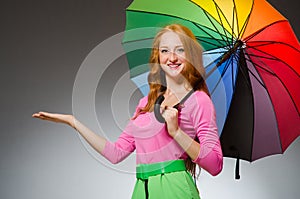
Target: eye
<point>180,50</point>
<point>164,50</point>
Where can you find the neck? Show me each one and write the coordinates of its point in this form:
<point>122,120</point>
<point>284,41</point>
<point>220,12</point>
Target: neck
<point>179,87</point>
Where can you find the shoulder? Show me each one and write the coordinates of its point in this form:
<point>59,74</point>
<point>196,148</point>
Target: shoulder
<point>143,101</point>
<point>201,108</point>
<point>200,97</point>
<point>199,102</point>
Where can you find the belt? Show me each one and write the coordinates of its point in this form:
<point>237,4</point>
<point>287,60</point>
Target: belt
<point>144,171</point>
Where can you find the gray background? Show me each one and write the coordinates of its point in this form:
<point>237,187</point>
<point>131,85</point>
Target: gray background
<point>43,45</point>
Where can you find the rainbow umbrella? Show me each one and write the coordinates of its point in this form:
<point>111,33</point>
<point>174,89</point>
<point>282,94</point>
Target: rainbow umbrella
<point>251,60</point>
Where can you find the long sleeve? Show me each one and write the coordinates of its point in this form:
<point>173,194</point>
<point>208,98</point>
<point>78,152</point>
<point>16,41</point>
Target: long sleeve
<point>119,150</point>
<point>203,116</point>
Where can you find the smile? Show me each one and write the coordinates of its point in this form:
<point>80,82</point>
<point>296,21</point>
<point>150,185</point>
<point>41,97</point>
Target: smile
<point>174,66</point>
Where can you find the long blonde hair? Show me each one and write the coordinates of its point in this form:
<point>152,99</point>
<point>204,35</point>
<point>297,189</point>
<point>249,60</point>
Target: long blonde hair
<point>193,71</point>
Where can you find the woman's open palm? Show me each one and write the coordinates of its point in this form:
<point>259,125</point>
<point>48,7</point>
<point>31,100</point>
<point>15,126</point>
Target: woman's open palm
<point>55,117</point>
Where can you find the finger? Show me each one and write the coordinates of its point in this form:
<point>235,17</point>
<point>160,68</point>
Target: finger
<point>49,115</point>
<point>39,116</point>
<point>44,113</point>
<point>170,113</point>
<point>172,109</point>
<point>162,109</point>
<point>34,115</point>
<point>48,118</point>
<point>44,118</point>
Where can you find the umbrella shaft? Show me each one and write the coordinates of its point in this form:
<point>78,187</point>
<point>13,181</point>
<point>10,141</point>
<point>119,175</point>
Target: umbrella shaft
<point>237,45</point>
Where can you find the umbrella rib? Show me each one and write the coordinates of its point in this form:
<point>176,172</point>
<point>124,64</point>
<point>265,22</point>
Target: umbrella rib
<point>202,39</point>
<point>244,73</point>
<point>214,68</point>
<point>265,43</point>
<point>232,24</point>
<point>237,19</point>
<point>276,59</point>
<point>229,60</point>
<point>262,29</point>
<point>218,82</point>
<point>197,25</point>
<point>210,34</point>
<point>227,65</point>
<point>220,11</point>
<point>212,53</point>
<point>266,69</point>
<point>246,22</point>
<point>222,74</point>
<point>212,62</point>
<point>260,56</point>
<point>274,74</point>
<point>258,80</point>
<point>249,59</point>
<point>232,72</point>
<point>206,14</point>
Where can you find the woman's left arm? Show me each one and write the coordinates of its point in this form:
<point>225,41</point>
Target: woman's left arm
<point>207,154</point>
<point>190,146</point>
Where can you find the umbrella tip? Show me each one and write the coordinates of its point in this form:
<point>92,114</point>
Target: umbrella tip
<point>237,169</point>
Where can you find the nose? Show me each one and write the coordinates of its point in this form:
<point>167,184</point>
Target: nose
<point>173,57</point>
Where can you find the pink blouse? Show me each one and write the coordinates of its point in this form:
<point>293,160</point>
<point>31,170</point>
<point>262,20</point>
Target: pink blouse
<point>153,144</point>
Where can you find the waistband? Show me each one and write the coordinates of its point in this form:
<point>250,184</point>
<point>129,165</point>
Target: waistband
<point>144,171</point>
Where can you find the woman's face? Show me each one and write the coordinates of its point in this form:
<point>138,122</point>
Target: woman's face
<point>171,54</point>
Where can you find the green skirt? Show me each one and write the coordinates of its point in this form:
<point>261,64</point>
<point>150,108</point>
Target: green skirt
<point>175,185</point>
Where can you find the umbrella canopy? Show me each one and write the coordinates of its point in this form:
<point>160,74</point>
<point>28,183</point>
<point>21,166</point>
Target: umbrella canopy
<point>251,60</point>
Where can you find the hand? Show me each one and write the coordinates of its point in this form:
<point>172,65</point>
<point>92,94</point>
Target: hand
<point>170,114</point>
<point>54,117</point>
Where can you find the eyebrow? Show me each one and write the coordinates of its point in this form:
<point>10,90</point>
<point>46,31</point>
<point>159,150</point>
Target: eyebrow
<point>168,47</point>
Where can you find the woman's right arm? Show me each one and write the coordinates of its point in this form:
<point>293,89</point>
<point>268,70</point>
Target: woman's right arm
<point>115,152</point>
<point>95,140</point>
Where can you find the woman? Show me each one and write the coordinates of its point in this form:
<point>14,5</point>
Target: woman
<point>166,152</point>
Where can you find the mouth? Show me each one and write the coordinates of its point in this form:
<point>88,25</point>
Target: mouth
<point>174,66</point>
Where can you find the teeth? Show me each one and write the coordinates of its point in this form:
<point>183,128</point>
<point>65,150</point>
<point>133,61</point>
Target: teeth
<point>174,65</point>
